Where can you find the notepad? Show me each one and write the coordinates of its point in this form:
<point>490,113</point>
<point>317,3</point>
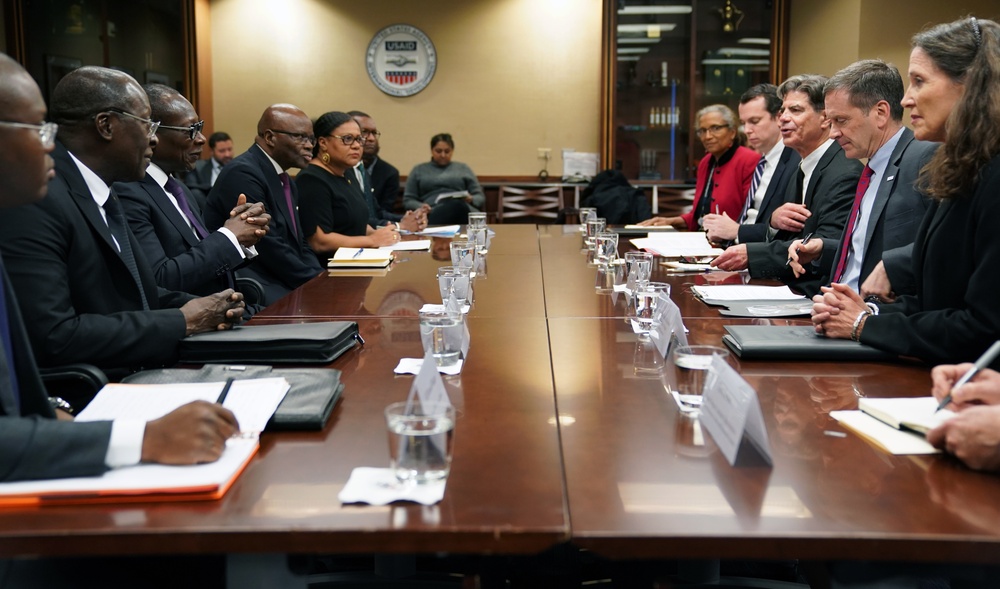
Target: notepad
<point>252,401</point>
<point>897,425</point>
<point>745,292</point>
<point>353,257</point>
<point>456,194</point>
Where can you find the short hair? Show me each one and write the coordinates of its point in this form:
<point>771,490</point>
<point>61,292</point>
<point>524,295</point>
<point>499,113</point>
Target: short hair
<point>769,92</point>
<point>325,125</point>
<point>218,137</point>
<point>967,51</point>
<point>358,113</point>
<point>812,85</point>
<point>86,91</point>
<point>869,81</point>
<point>159,96</point>
<point>722,109</point>
<point>446,137</point>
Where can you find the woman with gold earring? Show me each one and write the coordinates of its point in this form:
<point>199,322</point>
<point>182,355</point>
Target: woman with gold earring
<point>331,199</point>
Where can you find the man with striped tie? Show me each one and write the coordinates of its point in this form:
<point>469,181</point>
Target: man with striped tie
<point>758,111</point>
<point>866,119</point>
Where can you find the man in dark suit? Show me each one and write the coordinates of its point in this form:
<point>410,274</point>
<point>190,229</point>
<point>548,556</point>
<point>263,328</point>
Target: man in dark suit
<point>380,179</point>
<point>284,140</point>
<point>166,220</point>
<point>758,110</point>
<point>87,291</point>
<point>820,198</point>
<point>202,178</point>
<point>863,104</point>
<point>33,443</point>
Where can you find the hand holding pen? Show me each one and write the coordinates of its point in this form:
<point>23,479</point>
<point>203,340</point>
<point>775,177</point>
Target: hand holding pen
<point>795,248</point>
<point>941,375</point>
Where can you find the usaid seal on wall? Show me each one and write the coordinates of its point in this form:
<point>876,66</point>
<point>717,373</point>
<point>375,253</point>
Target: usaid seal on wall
<point>401,60</point>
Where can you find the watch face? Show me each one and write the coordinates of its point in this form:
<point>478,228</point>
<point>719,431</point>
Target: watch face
<point>401,60</point>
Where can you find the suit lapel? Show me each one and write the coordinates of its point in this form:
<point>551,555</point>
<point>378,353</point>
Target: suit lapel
<point>782,169</point>
<point>817,173</point>
<point>279,206</point>
<point>162,201</point>
<point>887,185</point>
<point>82,198</point>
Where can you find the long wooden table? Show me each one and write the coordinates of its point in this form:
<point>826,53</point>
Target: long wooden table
<point>565,433</point>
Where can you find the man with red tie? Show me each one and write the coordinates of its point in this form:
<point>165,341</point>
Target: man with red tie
<point>863,105</point>
<point>284,140</point>
<point>166,219</point>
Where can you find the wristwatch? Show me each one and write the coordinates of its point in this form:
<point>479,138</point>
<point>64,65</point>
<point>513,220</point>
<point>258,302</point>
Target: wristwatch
<point>60,403</point>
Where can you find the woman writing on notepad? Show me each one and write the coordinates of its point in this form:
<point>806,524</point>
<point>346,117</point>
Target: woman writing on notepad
<point>331,202</point>
<point>954,74</point>
<point>449,187</point>
<point>724,174</point>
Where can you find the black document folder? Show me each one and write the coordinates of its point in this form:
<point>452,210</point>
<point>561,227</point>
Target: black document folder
<point>781,342</point>
<point>297,343</point>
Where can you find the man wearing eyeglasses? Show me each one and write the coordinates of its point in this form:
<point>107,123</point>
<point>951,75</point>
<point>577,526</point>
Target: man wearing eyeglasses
<point>167,220</point>
<point>87,291</point>
<point>284,140</point>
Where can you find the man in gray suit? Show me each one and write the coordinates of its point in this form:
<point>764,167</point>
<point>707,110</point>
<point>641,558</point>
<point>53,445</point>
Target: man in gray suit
<point>34,444</point>
<point>866,119</point>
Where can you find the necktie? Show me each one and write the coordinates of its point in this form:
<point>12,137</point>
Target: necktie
<point>116,223</point>
<point>705,202</point>
<point>852,221</point>
<point>286,184</point>
<point>758,173</point>
<point>7,370</point>
<point>174,187</point>
<point>800,188</point>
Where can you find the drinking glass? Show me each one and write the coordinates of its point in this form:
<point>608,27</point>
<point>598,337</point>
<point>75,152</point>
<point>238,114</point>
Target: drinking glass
<point>462,253</point>
<point>441,335</point>
<point>421,438</point>
<point>606,247</point>
<point>690,367</point>
<point>594,226</point>
<point>639,267</point>
<point>645,300</point>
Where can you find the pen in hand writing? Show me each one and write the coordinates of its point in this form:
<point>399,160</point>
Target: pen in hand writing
<point>985,360</point>
<point>225,391</point>
<point>805,240</point>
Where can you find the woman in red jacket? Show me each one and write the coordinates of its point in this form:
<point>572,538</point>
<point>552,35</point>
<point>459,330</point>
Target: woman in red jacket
<point>724,174</point>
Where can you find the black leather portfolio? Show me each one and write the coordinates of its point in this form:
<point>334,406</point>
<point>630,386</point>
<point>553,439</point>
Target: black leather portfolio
<point>298,343</point>
<point>307,406</point>
<point>782,342</point>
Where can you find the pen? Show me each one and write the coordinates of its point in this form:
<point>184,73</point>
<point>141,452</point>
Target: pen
<point>805,240</point>
<point>225,391</point>
<point>358,253</point>
<point>985,360</point>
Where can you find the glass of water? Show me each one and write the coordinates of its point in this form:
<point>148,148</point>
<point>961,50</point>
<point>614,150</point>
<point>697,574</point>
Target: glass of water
<point>586,213</point>
<point>421,438</point>
<point>645,300</point>
<point>452,279</point>
<point>638,267</point>
<point>463,253</point>
<point>606,247</point>
<point>690,367</point>
<point>441,335</point>
<point>594,226</point>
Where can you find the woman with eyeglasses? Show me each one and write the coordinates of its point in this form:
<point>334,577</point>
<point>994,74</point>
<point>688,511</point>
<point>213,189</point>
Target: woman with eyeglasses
<point>449,187</point>
<point>332,204</point>
<point>952,96</point>
<point>724,174</point>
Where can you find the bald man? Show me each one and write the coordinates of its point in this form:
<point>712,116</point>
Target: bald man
<point>284,140</point>
<point>88,294</point>
<point>33,444</point>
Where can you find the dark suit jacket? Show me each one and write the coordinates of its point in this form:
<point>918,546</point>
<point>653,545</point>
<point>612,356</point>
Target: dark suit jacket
<point>199,181</point>
<point>179,260</point>
<point>829,197</point>
<point>80,303</point>
<point>284,261</point>
<point>774,196</point>
<point>33,444</point>
<point>385,189</point>
<point>730,184</point>
<point>954,316</point>
<point>895,217</point>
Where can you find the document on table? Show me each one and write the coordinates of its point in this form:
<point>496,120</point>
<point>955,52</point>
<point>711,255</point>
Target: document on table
<point>253,401</point>
<point>745,292</point>
<point>413,245</point>
<point>884,436</point>
<point>677,244</point>
<point>440,230</point>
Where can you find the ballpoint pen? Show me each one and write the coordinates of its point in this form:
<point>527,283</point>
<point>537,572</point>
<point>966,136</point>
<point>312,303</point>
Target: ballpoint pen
<point>358,253</point>
<point>985,360</point>
<point>805,240</point>
<point>225,391</point>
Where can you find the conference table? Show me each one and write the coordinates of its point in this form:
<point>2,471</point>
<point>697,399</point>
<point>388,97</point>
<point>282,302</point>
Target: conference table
<point>566,433</point>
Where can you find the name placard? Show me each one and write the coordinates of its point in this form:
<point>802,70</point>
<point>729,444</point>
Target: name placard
<point>730,412</point>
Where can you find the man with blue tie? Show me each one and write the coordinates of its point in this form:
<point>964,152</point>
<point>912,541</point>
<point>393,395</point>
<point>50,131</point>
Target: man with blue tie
<point>167,221</point>
<point>86,291</point>
<point>33,443</point>
<point>758,111</point>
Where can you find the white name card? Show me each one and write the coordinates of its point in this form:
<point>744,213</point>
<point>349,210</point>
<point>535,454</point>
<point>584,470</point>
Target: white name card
<point>428,387</point>
<point>667,324</point>
<point>730,412</point>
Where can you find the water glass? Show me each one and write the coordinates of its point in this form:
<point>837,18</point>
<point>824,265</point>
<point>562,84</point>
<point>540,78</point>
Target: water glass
<point>594,226</point>
<point>441,335</point>
<point>477,236</point>
<point>586,213</point>
<point>606,247</point>
<point>639,268</point>
<point>645,300</point>
<point>452,279</point>
<point>463,253</point>
<point>690,367</point>
<point>476,221</point>
<point>421,438</point>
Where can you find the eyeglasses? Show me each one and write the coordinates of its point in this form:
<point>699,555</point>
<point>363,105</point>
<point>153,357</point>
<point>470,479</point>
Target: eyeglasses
<point>714,130</point>
<point>46,131</point>
<point>297,137</point>
<point>192,130</point>
<point>349,139</point>
<point>369,134</point>
<point>150,124</point>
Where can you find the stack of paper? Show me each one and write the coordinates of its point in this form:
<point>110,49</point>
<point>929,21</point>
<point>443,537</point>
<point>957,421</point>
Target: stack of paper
<point>676,244</point>
<point>353,257</point>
